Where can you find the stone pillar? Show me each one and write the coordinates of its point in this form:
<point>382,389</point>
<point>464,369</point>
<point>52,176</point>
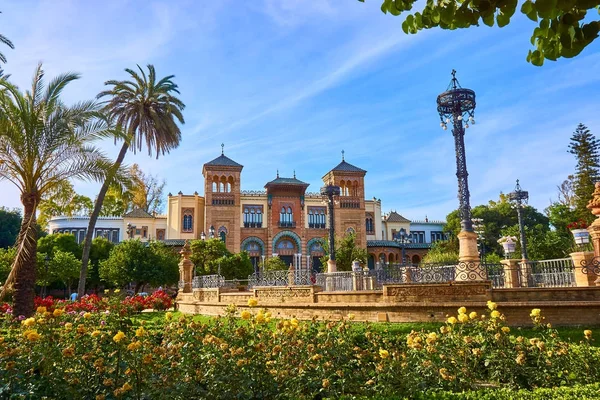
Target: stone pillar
<point>357,281</point>
<point>331,267</point>
<point>584,268</point>
<point>525,272</point>
<point>186,267</point>
<point>291,273</point>
<point>593,264</point>
<point>512,273</point>
<point>469,267</point>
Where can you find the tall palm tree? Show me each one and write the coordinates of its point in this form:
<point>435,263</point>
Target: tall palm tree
<point>6,41</point>
<point>43,143</point>
<point>145,111</point>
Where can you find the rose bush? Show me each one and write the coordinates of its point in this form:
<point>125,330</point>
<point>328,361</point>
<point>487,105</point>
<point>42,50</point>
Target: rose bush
<point>246,355</point>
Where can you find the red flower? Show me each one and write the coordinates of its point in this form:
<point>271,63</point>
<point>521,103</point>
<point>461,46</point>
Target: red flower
<point>581,224</point>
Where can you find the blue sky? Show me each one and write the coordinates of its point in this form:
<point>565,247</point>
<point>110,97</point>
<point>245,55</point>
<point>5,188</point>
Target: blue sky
<point>288,84</point>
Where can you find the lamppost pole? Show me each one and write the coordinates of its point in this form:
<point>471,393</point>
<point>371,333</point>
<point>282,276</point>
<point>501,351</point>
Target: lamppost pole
<point>402,238</point>
<point>329,192</point>
<point>520,197</point>
<point>454,105</point>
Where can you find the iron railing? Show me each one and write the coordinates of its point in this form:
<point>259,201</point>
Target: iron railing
<point>215,281</point>
<point>549,273</point>
<point>281,278</point>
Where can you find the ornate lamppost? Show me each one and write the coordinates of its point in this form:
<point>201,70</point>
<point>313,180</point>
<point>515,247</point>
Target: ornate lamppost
<point>456,105</point>
<point>519,197</point>
<point>329,192</point>
<point>402,238</point>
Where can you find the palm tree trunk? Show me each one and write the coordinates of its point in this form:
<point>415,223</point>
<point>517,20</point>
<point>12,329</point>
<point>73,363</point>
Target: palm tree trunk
<point>24,266</point>
<point>87,244</point>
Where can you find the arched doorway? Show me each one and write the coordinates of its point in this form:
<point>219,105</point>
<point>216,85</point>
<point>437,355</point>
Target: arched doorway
<point>286,245</point>
<point>416,259</point>
<point>371,261</point>
<point>316,251</point>
<point>255,248</point>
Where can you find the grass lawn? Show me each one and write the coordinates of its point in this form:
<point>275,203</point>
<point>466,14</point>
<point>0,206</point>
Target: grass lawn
<point>567,333</point>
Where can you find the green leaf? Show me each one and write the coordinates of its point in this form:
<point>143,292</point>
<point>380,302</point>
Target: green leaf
<point>545,7</point>
<point>537,58</point>
<point>527,7</point>
<point>405,27</point>
<point>566,40</point>
<point>502,19</point>
<point>435,16</point>
<point>488,19</point>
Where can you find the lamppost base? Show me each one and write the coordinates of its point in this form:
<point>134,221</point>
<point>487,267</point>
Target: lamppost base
<point>469,267</point>
<point>331,267</point>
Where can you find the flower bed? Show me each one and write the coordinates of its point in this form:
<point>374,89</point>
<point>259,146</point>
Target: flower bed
<point>103,355</point>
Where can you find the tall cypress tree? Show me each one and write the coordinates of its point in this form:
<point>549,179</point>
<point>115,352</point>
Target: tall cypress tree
<point>585,147</point>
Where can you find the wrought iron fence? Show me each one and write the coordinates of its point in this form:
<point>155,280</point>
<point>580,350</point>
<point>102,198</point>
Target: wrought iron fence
<point>215,281</point>
<point>592,268</point>
<point>281,278</point>
<point>549,273</point>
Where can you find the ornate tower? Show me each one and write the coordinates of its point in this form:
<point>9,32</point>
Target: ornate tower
<point>350,209</point>
<point>222,186</point>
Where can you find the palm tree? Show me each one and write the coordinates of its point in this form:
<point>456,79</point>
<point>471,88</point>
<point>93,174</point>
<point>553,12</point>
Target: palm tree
<point>6,41</point>
<point>44,143</point>
<point>145,111</point>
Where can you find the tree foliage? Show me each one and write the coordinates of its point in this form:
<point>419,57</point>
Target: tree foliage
<point>132,261</point>
<point>585,146</point>
<point>205,252</point>
<point>147,191</point>
<point>64,267</point>
<point>100,251</point>
<point>63,200</point>
<point>5,41</point>
<point>275,264</point>
<point>10,221</point>
<point>64,242</point>
<point>346,251</point>
<point>232,266</point>
<point>562,27</point>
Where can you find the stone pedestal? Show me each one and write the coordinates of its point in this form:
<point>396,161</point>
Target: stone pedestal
<point>469,268</point>
<point>581,260</point>
<point>512,273</point>
<point>186,266</point>
<point>291,277</point>
<point>331,267</point>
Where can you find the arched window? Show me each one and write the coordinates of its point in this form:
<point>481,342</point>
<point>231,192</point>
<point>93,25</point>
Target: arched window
<point>187,220</point>
<point>286,217</point>
<point>215,187</point>
<point>223,236</point>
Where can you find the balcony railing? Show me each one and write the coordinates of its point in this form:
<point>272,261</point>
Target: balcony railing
<point>220,199</point>
<point>349,202</point>
<point>252,224</point>
<point>287,224</point>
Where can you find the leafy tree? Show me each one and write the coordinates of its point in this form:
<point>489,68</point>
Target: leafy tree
<point>563,29</point>
<point>43,143</point>
<point>7,257</point>
<point>134,261</point>
<point>64,267</point>
<point>62,200</point>
<point>145,111</point>
<point>275,264</point>
<point>585,147</point>
<point>64,242</point>
<point>566,192</point>
<point>443,252</point>
<point>147,191</point>
<point>116,202</point>
<point>10,221</point>
<point>204,252</point>
<point>232,266</point>
<point>561,215</point>
<point>346,251</point>
<point>100,251</point>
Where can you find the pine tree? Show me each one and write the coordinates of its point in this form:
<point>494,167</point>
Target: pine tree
<point>585,147</point>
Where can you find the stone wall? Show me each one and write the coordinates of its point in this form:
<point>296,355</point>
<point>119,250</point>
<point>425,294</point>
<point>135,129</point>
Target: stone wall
<point>406,303</point>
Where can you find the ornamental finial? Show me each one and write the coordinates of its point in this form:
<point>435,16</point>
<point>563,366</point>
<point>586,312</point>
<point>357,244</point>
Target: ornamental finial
<point>278,173</point>
<point>343,155</point>
<point>222,148</point>
<point>294,174</point>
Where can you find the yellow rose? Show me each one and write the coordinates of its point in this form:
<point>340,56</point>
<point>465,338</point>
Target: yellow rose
<point>119,336</point>
<point>495,314</point>
<point>473,315</point>
<point>535,312</point>
<point>505,329</point>
<point>294,322</point>
<point>462,310</point>
<point>587,333</point>
<point>126,386</point>
<point>139,332</point>
<point>260,318</point>
<point>96,333</point>
<point>245,314</point>
<point>326,383</point>
<point>68,326</point>
<point>432,336</point>
<point>463,318</point>
<point>169,316</point>
<point>32,335</point>
<point>384,353</point>
<point>106,291</point>
<point>134,346</point>
<point>58,312</point>
<point>87,315</point>
<point>117,291</point>
<point>41,310</point>
<point>28,322</point>
<point>452,320</point>
<point>370,382</point>
<point>351,317</point>
<point>491,305</point>
<point>252,302</point>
